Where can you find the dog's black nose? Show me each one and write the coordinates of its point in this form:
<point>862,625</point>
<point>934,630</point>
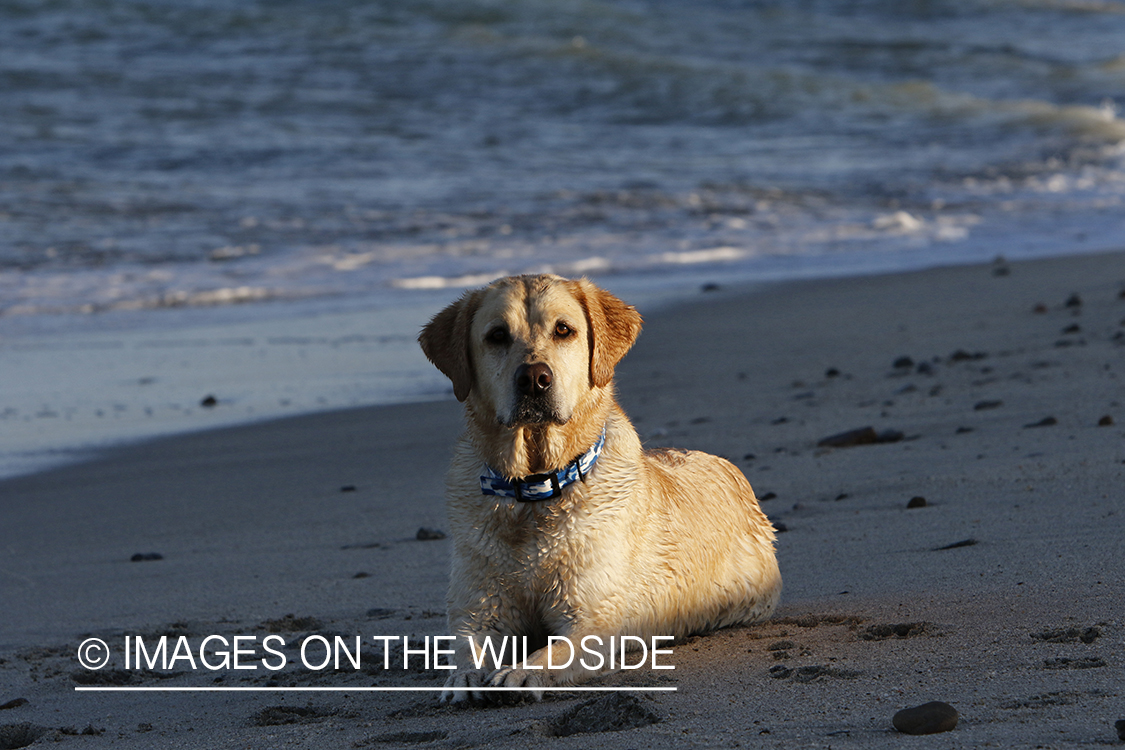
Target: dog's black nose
<point>533,380</point>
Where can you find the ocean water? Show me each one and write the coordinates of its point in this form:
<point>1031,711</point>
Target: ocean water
<point>175,163</point>
<point>172,153</point>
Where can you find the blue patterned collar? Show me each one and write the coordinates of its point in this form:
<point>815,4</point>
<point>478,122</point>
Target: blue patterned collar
<point>547,486</point>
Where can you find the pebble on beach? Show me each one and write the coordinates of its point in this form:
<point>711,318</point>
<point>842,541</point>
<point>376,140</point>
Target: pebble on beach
<point>917,502</point>
<point>146,557</point>
<point>860,436</point>
<point>209,401</point>
<point>1106,421</point>
<point>929,718</point>
<point>1044,422</point>
<point>426,534</point>
<point>1120,727</point>
<point>957,545</point>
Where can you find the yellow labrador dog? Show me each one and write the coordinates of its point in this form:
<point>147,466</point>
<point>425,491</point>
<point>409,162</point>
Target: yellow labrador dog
<point>562,523</point>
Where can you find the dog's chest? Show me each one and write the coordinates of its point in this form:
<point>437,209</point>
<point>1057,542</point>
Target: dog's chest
<point>535,543</point>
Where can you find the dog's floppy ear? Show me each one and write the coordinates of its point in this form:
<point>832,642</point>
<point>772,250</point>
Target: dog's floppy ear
<point>445,340</point>
<point>614,326</point>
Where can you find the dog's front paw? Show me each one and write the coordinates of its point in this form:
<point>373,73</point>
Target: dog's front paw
<point>526,679</point>
<point>459,688</point>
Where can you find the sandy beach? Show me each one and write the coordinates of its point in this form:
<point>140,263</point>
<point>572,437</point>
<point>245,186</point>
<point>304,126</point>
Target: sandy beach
<point>996,393</point>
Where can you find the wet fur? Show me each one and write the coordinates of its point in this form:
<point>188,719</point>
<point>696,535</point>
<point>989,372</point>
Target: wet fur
<point>657,542</point>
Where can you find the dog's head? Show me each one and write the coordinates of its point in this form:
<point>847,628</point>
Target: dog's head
<point>530,349</point>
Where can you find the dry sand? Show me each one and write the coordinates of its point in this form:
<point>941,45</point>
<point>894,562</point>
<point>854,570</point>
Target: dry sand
<point>1021,629</point>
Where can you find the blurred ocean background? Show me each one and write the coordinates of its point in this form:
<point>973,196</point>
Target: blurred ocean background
<point>178,153</point>
<point>301,184</point>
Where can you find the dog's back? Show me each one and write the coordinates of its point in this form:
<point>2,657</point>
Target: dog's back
<point>722,542</point>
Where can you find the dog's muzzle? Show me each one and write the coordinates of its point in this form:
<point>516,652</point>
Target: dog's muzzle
<point>533,395</point>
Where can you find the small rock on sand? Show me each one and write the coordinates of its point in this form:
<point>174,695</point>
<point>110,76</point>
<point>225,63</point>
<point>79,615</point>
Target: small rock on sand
<point>1073,301</point>
<point>917,502</point>
<point>1106,421</point>
<point>984,405</point>
<point>13,703</point>
<point>860,436</point>
<point>426,534</point>
<point>929,718</point>
<point>209,401</point>
<point>956,545</point>
<point>1120,727</point>
<point>146,557</point>
<point>1044,422</point>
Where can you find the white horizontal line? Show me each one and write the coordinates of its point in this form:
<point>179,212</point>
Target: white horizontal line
<point>370,689</point>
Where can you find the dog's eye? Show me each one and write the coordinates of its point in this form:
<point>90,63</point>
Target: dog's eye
<point>497,335</point>
<point>562,330</point>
